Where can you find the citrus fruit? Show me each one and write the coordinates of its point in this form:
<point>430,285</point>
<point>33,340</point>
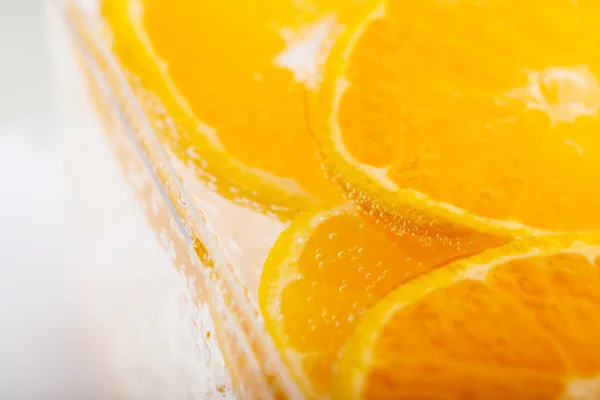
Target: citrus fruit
<point>321,275</point>
<point>223,82</point>
<point>521,321</point>
<point>470,121</point>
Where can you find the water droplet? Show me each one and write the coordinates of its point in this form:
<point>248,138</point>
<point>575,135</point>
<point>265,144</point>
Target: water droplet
<point>341,254</point>
<point>221,388</point>
<point>350,318</point>
<point>333,235</point>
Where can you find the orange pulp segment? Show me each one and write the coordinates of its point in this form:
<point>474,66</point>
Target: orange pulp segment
<point>321,275</point>
<point>468,120</point>
<point>520,321</point>
<point>222,80</point>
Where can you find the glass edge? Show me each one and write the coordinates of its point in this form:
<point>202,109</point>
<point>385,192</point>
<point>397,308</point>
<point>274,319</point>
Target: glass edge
<point>220,261</point>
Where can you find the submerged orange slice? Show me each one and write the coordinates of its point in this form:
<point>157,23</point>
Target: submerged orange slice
<point>470,121</point>
<point>518,322</point>
<point>321,275</point>
<point>223,80</point>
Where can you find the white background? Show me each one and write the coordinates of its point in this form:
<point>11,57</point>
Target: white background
<point>40,344</point>
<point>136,340</point>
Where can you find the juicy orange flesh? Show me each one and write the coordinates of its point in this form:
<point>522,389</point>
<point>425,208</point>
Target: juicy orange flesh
<point>428,240</point>
<point>221,57</point>
<point>345,267</point>
<point>532,325</point>
<point>489,106</point>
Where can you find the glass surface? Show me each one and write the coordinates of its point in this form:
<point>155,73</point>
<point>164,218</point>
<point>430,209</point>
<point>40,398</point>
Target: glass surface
<point>371,199</point>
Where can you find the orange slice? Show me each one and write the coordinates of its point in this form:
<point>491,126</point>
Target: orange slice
<point>520,321</point>
<point>470,121</point>
<point>321,275</point>
<point>223,80</point>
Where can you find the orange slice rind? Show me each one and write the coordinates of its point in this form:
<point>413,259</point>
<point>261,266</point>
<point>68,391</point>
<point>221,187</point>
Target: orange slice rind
<point>227,107</point>
<point>518,321</point>
<point>323,272</point>
<point>438,135</point>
